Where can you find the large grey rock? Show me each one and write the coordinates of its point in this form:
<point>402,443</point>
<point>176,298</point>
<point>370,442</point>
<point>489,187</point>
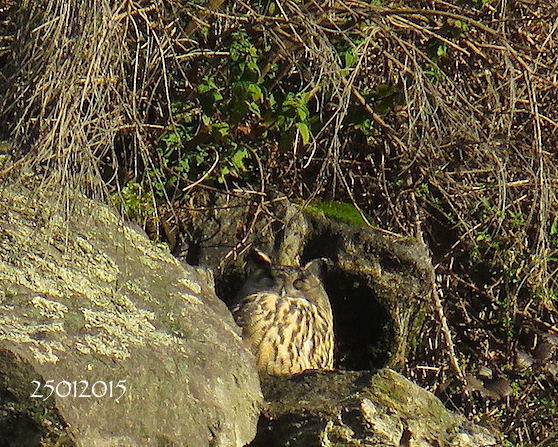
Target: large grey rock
<point>92,299</point>
<point>339,409</point>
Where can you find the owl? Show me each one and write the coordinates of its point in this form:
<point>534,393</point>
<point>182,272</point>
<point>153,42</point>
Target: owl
<point>286,317</point>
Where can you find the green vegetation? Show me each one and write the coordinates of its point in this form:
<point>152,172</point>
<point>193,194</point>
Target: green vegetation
<point>137,203</point>
<point>345,213</point>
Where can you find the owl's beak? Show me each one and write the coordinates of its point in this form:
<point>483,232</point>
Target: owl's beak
<point>283,292</point>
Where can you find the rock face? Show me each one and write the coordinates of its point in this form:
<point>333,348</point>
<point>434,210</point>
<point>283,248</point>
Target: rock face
<point>138,348</point>
<point>339,409</point>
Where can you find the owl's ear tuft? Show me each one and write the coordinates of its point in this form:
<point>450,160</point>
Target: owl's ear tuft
<point>258,260</point>
<point>318,266</point>
<point>260,256</point>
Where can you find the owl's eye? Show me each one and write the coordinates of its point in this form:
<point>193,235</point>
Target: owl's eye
<point>300,284</point>
<point>264,280</point>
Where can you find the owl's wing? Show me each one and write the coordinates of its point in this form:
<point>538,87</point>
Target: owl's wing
<point>254,309</point>
<point>255,314</point>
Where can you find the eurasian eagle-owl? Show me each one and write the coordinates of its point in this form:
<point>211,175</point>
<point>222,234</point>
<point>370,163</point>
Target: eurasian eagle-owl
<point>286,317</point>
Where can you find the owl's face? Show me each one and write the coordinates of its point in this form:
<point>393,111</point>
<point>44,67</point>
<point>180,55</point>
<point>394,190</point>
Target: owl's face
<point>294,282</point>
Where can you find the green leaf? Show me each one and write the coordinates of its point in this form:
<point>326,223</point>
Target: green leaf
<point>255,92</point>
<point>351,57</point>
<point>206,120</point>
<point>171,138</point>
<point>220,130</point>
<point>224,171</point>
<point>304,132</point>
<point>302,113</point>
<point>237,159</point>
<point>271,9</point>
<point>254,108</point>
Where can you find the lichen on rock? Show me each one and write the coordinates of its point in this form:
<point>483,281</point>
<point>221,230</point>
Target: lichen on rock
<point>89,298</point>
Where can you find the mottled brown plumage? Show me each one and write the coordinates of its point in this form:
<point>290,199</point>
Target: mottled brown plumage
<point>286,317</point>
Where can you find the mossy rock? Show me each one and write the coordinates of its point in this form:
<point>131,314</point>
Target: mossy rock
<point>344,408</point>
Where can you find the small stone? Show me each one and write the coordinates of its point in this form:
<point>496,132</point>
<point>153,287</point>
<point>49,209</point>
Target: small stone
<point>523,360</point>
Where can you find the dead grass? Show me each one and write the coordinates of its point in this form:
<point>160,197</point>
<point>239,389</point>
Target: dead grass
<point>85,74</point>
